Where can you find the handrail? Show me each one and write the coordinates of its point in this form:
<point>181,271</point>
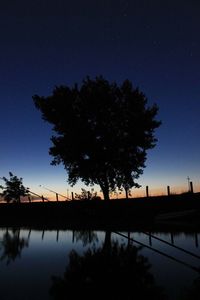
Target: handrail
<point>160,252</point>
<point>170,244</point>
<point>38,195</point>
<point>54,192</point>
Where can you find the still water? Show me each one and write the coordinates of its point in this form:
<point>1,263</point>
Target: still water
<point>67,264</point>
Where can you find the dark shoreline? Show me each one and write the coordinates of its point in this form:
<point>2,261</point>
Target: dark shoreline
<point>163,213</point>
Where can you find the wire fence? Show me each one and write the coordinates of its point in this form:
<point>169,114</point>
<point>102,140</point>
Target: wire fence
<point>144,191</point>
<point>148,191</point>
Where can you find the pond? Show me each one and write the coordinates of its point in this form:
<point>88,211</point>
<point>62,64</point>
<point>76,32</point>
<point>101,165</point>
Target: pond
<point>66,264</point>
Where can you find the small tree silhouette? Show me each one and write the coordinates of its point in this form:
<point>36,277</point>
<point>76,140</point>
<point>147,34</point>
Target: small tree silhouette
<point>13,189</point>
<point>87,195</point>
<point>12,245</point>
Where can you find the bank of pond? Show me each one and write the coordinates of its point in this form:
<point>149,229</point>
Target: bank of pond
<point>164,211</point>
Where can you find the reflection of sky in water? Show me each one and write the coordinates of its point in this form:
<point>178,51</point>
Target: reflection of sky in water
<point>29,275</point>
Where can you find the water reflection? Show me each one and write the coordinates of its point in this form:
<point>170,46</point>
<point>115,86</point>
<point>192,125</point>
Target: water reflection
<point>193,292</point>
<point>98,264</point>
<point>114,270</point>
<point>85,236</point>
<point>12,245</point>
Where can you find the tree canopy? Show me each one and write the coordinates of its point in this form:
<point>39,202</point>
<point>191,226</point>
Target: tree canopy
<point>11,245</point>
<point>102,131</point>
<point>13,189</point>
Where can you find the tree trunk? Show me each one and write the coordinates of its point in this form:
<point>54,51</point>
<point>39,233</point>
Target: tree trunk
<point>105,193</point>
<point>126,191</point>
<point>103,182</point>
<point>107,242</point>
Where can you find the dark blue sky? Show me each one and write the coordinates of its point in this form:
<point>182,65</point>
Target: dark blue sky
<point>155,44</point>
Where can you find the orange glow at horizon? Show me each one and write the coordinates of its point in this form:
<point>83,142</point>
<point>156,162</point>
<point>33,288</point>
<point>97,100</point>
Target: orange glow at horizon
<point>135,193</point>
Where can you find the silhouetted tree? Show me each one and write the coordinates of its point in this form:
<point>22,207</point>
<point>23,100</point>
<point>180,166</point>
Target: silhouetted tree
<point>193,291</point>
<point>118,273</point>
<point>12,245</point>
<point>86,236</point>
<point>87,195</point>
<point>13,189</point>
<point>102,132</point>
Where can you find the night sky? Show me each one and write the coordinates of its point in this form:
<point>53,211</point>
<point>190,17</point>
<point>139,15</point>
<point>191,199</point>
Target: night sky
<point>155,44</point>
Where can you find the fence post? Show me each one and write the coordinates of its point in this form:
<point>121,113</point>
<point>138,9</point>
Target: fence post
<point>172,238</point>
<point>129,239</point>
<point>150,240</point>
<point>168,190</point>
<point>72,196</point>
<point>147,191</point>
<point>196,240</point>
<point>57,197</point>
<point>191,187</point>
